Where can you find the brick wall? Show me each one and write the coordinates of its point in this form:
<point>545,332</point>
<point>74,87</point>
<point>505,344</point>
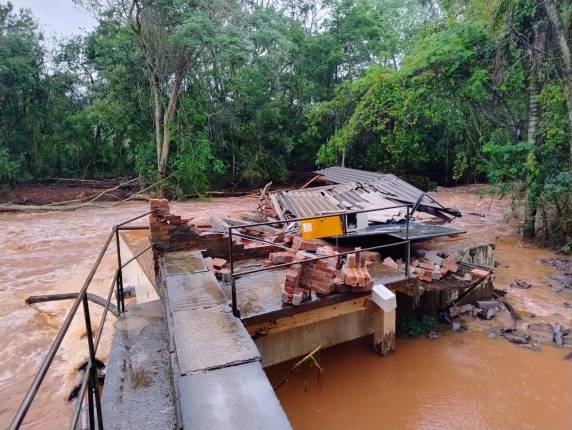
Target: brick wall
<point>173,233</point>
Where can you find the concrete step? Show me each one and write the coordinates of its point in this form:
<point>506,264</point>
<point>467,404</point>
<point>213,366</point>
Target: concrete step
<point>137,393</point>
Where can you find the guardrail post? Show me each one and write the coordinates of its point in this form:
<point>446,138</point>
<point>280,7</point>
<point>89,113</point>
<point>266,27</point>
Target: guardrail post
<point>121,297</point>
<point>92,391</point>
<point>235,310</point>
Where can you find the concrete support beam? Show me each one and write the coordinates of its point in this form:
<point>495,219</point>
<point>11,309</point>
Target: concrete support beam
<point>384,319</point>
<point>384,331</point>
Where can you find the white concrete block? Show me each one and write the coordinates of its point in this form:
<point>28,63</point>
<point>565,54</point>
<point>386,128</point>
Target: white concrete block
<point>383,297</point>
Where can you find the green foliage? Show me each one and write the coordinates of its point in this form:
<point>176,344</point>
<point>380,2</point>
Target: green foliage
<point>193,164</point>
<point>437,92</point>
<point>413,326</point>
<point>8,167</point>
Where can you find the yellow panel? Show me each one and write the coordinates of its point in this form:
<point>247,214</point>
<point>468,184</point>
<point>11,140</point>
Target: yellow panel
<point>322,227</point>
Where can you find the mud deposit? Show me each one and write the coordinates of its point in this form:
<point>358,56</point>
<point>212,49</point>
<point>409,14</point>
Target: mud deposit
<point>45,253</point>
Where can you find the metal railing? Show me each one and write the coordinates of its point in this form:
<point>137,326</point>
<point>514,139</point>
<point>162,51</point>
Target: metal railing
<point>89,380</point>
<point>234,275</point>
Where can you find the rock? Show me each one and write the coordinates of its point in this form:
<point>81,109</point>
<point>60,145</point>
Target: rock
<point>457,325</point>
<point>434,258</point>
<point>494,332</point>
<point>531,346</point>
<point>485,305</point>
<point>516,336</point>
<point>541,332</point>
<point>432,335</point>
<point>519,283</point>
<point>559,332</point>
<point>567,305</point>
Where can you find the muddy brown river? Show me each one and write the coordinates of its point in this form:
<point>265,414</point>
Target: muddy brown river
<point>458,381</point>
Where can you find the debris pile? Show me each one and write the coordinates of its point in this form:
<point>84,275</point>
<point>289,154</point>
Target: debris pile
<point>432,266</point>
<point>325,276</point>
<point>519,283</point>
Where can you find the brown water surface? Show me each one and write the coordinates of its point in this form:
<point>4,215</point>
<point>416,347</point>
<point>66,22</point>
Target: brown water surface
<point>459,381</point>
<point>52,252</point>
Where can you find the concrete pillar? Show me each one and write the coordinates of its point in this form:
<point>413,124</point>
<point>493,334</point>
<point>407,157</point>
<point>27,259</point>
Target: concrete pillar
<point>384,331</point>
<point>384,319</point>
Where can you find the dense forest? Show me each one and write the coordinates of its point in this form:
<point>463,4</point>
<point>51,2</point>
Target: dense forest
<point>234,93</point>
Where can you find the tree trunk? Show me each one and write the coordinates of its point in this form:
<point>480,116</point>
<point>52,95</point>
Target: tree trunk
<point>529,228</point>
<point>564,46</point>
<point>168,118</point>
<point>532,192</point>
<point>157,116</point>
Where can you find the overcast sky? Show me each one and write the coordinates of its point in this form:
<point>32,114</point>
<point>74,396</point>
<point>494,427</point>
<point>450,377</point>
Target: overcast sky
<point>59,18</point>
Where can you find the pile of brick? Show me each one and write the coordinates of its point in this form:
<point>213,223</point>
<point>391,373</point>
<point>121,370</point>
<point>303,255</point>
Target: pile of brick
<point>324,276</point>
<point>433,266</point>
<point>355,276</point>
<point>219,267</point>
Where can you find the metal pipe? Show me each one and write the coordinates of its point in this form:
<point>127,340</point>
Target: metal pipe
<point>408,246</point>
<point>340,254</point>
<point>235,310</point>
<point>81,394</point>
<point>133,227</point>
<point>133,219</point>
<point>93,369</point>
<point>136,256</point>
<point>37,381</point>
<point>121,307</point>
<point>90,405</point>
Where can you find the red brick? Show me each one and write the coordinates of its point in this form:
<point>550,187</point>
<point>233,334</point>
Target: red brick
<point>218,263</point>
<point>480,273</point>
<point>304,244</point>
<point>450,266</point>
<point>390,262</point>
<point>281,257</point>
<point>426,266</point>
<point>424,276</point>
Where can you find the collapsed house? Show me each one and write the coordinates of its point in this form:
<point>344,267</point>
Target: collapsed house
<point>351,190</point>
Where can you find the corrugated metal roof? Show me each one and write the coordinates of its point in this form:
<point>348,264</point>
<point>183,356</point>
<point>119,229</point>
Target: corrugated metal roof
<point>387,184</point>
<point>337,198</point>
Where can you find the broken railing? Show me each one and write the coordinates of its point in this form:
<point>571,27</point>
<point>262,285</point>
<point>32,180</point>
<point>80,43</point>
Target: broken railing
<point>344,214</point>
<point>89,379</point>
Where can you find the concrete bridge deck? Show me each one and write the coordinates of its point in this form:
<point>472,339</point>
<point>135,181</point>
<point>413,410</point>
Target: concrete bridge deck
<point>217,374</point>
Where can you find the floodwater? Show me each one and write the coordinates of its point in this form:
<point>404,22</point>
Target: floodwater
<point>461,380</point>
<point>52,252</point>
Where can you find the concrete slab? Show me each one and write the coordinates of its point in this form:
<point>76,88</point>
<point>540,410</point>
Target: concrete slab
<point>184,262</point>
<point>193,290</point>
<point>211,338</point>
<point>237,397</point>
<point>137,391</point>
